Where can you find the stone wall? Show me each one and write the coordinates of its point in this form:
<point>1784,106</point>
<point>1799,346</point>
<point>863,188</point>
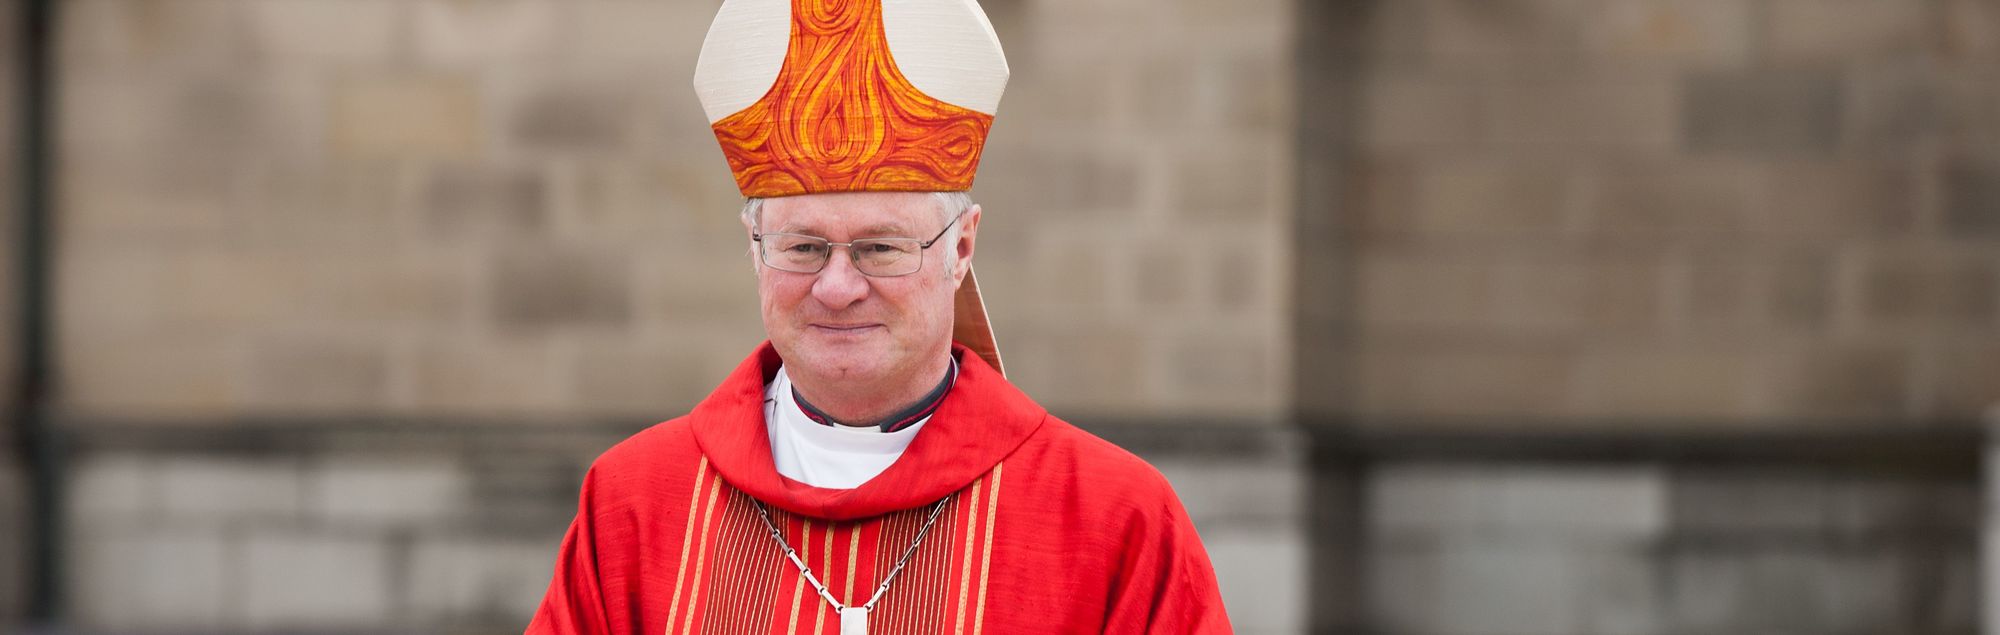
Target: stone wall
<point>352,290</point>
<point>1744,214</point>
<point>515,209</point>
<point>13,489</point>
<point>348,530</point>
<point>1500,548</point>
<point>438,529</point>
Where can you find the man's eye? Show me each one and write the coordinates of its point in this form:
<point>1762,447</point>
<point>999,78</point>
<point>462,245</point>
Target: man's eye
<point>805,248</point>
<point>880,248</point>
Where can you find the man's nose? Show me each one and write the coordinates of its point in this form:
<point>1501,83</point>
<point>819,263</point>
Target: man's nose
<point>840,284</point>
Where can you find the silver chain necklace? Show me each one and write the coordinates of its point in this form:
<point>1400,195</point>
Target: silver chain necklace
<point>853,619</point>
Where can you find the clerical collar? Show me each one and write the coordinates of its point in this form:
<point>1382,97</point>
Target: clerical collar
<point>900,420</point>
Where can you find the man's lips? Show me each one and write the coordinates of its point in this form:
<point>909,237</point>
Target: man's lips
<point>845,328</point>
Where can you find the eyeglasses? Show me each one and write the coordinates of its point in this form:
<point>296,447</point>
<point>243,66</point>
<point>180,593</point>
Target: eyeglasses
<point>877,257</point>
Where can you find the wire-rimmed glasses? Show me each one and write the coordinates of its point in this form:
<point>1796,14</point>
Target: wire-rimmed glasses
<point>877,257</point>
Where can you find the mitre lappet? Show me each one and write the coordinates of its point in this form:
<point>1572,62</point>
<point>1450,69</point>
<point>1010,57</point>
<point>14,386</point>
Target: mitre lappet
<point>812,96</point>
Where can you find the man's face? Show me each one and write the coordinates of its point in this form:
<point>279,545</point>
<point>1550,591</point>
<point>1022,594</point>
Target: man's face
<point>839,324</point>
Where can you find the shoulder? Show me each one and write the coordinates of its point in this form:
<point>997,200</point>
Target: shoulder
<point>1098,468</point>
<point>657,456</point>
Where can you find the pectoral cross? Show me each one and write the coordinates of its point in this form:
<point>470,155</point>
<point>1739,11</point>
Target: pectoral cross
<point>854,620</point>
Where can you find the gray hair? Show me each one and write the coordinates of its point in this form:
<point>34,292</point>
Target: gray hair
<point>949,206</point>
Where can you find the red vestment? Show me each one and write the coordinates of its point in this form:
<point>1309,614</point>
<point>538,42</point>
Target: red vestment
<point>1048,530</point>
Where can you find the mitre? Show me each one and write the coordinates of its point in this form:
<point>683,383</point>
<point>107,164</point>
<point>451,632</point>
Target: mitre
<point>810,96</point>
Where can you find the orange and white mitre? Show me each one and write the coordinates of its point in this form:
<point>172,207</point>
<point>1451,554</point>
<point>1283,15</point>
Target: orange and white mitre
<point>813,96</point>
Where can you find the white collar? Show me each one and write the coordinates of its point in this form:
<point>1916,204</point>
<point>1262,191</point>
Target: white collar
<point>837,457</point>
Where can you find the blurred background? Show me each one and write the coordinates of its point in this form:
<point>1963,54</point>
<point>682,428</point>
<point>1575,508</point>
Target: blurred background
<point>1445,317</point>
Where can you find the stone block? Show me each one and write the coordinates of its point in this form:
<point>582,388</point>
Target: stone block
<point>1547,296</point>
<point>311,202</point>
<point>1034,183</point>
<point>1971,30</point>
<point>1668,32</point>
<point>567,117</point>
<point>1078,372</point>
<point>1073,98</point>
<point>1264,495</point>
<point>209,287</point>
<point>455,577</point>
<point>329,32</point>
<point>1669,383</point>
<point>1971,195</point>
<point>1896,114</point>
<point>1840,199</point>
<point>406,116</point>
<point>1576,505</point>
<point>1492,196</point>
<point>1890,507</point>
<point>187,34</point>
<point>1163,275</point>
<point>1761,112</point>
<point>1467,589</point>
<point>1628,112</point>
<point>545,286</point>
<point>386,286</point>
<point>1248,275</point>
<point>1958,601</point>
<point>1622,593</point>
<point>142,375</point>
<point>112,199</point>
<point>305,581</point>
<point>392,491</point>
<point>1726,592</point>
<point>1756,292</point>
<point>1786,591</point>
<point>1241,188</point>
<point>1672,197</point>
<point>478,200</point>
<point>1418,112</point>
<point>711,286</point>
<point>1407,290</point>
<point>1069,270</point>
<point>467,376</point>
<point>1968,380</point>
<point>112,488</point>
<point>657,201</point>
<point>1845,382</point>
<point>1501,34</point>
<point>1465,385</point>
<point>1377,195</point>
<point>216,489</point>
<point>1801,293</point>
<point>1929,292</point>
<point>1845,30</point>
<point>127,580</point>
<point>656,380</point>
<point>452,33</point>
<point>294,374</point>
<point>1263,577</point>
<point>1223,373</point>
<point>1223,90</point>
<point>663,36</point>
<point>1748,502</point>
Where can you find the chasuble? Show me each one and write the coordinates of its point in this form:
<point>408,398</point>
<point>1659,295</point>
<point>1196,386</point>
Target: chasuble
<point>1044,528</point>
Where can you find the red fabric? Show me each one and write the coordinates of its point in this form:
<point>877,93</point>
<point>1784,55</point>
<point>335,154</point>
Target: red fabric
<point>1049,530</point>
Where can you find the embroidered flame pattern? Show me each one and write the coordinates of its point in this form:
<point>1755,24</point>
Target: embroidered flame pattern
<point>842,118</point>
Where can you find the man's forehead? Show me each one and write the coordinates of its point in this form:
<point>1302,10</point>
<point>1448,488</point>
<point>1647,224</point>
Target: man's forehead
<point>857,211</point>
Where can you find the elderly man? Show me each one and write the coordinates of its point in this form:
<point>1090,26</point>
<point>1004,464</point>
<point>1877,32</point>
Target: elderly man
<point>862,472</point>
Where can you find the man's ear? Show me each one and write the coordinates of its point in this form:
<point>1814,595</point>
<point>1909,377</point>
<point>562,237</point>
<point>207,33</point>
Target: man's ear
<point>749,234</point>
<point>968,237</point>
